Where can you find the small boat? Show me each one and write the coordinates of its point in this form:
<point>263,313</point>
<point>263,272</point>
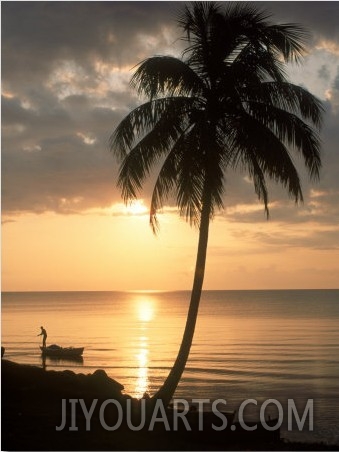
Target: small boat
<point>60,352</point>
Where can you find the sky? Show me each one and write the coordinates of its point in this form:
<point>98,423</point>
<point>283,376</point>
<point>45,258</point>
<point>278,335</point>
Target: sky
<point>66,68</point>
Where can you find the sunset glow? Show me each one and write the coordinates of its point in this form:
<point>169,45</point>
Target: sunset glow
<point>65,224</point>
<point>136,208</point>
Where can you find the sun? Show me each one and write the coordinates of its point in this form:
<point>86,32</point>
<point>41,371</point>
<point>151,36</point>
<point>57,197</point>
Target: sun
<point>136,207</point>
<point>145,309</point>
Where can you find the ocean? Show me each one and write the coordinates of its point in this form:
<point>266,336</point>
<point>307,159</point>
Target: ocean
<point>258,345</point>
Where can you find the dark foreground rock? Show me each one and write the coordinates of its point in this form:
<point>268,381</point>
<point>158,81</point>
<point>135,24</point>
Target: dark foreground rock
<point>43,410</point>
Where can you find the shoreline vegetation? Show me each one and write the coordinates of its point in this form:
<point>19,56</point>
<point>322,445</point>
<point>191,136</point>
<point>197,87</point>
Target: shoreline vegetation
<point>32,409</point>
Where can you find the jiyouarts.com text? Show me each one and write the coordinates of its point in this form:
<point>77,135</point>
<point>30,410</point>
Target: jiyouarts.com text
<point>180,415</point>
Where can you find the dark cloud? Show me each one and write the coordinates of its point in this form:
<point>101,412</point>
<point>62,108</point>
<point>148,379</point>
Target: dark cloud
<point>45,158</point>
<point>43,33</point>
<point>65,79</point>
<point>323,72</point>
<point>319,17</point>
<point>336,82</point>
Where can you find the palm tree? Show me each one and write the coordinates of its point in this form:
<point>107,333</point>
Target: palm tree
<point>225,105</point>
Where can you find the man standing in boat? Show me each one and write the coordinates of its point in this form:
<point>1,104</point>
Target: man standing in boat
<point>44,336</point>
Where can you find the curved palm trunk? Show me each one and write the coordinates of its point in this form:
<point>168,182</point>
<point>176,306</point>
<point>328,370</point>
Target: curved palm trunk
<point>167,390</point>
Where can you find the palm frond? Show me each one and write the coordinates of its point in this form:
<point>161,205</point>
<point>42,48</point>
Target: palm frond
<point>254,64</point>
<point>144,118</point>
<point>287,96</point>
<point>164,185</point>
<point>196,19</point>
<point>253,141</point>
<point>137,164</point>
<point>290,129</point>
<point>288,40</point>
<point>257,174</point>
<point>161,75</point>
<point>253,23</point>
<point>190,178</point>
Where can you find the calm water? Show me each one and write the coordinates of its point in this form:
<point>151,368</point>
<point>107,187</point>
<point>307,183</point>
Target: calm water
<point>248,344</point>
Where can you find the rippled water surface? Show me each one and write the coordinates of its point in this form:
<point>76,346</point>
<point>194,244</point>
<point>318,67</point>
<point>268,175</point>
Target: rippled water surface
<point>248,344</point>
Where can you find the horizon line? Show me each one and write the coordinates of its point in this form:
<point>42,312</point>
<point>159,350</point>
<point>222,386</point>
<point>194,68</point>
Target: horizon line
<point>149,291</point>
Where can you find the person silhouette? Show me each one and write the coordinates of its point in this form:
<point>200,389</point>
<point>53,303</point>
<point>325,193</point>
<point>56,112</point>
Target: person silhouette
<point>44,336</point>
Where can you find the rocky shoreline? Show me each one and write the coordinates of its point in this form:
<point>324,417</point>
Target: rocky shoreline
<point>33,401</point>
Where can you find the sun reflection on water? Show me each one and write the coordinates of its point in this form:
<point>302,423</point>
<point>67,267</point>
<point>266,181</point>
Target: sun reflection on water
<point>142,357</point>
<point>145,311</point>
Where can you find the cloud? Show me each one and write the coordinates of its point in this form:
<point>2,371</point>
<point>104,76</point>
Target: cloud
<point>82,33</point>
<point>323,72</point>
<point>320,18</point>
<point>65,73</point>
<point>333,93</point>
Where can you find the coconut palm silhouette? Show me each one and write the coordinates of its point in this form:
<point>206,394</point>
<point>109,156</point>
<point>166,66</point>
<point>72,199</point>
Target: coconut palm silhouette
<point>225,105</point>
